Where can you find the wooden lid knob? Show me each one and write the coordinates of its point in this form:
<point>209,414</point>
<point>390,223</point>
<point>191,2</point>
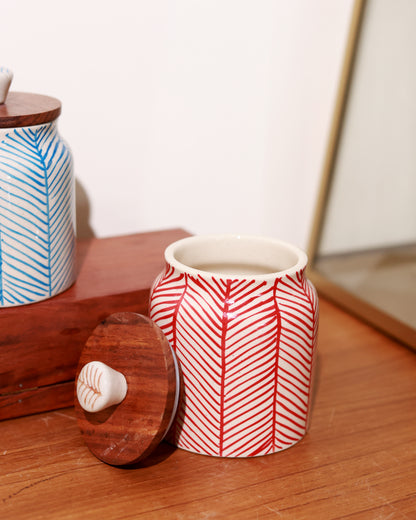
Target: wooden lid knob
<point>99,387</point>
<point>134,346</point>
<point>6,77</point>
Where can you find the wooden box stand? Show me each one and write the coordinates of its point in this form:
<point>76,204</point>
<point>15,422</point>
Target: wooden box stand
<point>40,344</point>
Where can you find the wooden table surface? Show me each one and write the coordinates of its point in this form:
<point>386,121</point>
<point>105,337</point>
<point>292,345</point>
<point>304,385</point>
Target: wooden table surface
<point>358,460</point>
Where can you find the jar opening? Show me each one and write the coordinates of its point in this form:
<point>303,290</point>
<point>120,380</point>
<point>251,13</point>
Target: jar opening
<point>235,255</point>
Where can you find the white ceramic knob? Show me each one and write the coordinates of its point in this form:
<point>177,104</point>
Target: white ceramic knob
<point>6,76</point>
<point>99,387</point>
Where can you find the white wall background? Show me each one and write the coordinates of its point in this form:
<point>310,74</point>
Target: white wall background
<point>210,115</point>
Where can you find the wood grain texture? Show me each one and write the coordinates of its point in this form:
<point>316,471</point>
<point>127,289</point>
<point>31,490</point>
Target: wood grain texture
<point>128,432</point>
<point>40,344</point>
<point>357,462</point>
<point>25,109</point>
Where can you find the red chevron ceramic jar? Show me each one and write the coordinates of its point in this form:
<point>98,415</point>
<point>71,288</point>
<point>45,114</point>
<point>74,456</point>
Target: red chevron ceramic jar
<point>242,319</point>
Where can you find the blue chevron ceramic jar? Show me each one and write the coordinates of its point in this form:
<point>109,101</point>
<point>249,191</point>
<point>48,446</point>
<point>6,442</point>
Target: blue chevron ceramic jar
<point>37,202</point>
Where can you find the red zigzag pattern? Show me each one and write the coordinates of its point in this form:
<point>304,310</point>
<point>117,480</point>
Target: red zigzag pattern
<point>246,351</point>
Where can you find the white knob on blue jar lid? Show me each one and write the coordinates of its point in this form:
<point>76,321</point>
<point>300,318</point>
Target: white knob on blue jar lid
<point>6,77</point>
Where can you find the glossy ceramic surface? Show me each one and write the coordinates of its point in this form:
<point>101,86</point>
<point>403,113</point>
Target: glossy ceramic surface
<point>6,77</point>
<point>242,319</point>
<point>37,215</point>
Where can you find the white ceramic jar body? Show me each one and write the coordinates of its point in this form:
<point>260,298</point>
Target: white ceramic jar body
<point>37,214</point>
<point>242,320</point>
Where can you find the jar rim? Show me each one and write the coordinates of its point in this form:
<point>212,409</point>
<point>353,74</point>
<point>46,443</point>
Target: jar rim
<point>282,258</point>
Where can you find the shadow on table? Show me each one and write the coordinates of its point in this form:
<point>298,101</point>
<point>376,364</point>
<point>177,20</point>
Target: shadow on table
<point>159,455</point>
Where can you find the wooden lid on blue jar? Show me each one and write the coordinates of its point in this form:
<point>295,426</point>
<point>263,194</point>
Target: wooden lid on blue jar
<point>25,109</point>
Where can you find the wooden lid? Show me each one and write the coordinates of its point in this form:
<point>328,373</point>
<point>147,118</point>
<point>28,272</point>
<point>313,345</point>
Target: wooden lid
<point>24,109</point>
<point>128,432</point>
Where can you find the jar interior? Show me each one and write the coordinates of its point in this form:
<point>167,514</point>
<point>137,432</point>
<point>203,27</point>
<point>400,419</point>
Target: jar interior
<point>235,255</point>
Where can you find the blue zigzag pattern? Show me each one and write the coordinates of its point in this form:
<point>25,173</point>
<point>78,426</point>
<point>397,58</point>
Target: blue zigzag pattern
<point>37,236</point>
